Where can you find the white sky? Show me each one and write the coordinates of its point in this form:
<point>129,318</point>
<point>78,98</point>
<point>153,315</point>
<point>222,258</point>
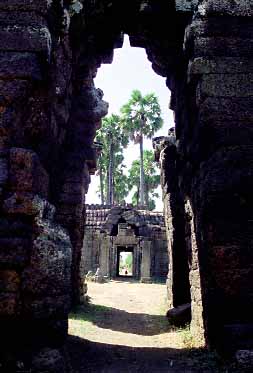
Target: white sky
<point>131,70</point>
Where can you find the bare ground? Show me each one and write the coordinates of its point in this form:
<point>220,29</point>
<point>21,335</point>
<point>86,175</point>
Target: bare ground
<point>124,330</point>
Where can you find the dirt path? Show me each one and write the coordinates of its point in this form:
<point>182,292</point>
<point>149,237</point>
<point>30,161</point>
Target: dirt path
<point>124,330</point>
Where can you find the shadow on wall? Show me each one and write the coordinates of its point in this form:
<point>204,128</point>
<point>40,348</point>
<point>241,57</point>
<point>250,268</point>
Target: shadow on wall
<point>122,321</point>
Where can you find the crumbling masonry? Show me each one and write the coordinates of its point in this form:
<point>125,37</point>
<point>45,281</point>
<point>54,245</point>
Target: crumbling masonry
<point>49,112</point>
<point>109,229</point>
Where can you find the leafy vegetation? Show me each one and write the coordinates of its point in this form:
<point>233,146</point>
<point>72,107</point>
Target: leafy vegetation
<point>113,139</point>
<point>141,117</point>
<point>129,262</point>
<point>151,179</point>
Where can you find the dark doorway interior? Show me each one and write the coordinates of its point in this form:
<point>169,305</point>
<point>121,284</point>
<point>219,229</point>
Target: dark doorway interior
<point>124,261</point>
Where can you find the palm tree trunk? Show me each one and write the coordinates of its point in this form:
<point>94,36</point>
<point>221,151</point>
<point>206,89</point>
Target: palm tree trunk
<point>138,196</point>
<point>146,195</point>
<point>101,178</point>
<point>141,172</point>
<point>108,186</point>
<point>110,176</point>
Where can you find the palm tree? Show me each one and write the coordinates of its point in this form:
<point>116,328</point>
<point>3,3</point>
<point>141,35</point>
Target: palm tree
<point>113,139</point>
<point>101,166</point>
<point>141,117</point>
<point>152,179</point>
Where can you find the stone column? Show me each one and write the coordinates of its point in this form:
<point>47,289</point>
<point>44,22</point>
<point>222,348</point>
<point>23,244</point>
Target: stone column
<point>105,255</point>
<point>35,259</point>
<point>178,287</point>
<point>219,153</point>
<point>146,261</point>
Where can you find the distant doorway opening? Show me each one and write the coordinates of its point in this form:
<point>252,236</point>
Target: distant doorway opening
<point>124,261</point>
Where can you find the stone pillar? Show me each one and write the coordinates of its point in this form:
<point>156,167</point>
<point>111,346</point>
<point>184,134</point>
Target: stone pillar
<point>178,287</point>
<point>146,261</point>
<point>105,244</point>
<point>219,152</point>
<point>35,252</point>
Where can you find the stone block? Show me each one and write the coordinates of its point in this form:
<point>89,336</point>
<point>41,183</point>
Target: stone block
<point>226,85</point>
<point>237,8</point>
<point>40,6</point>
<point>12,91</point>
<point>19,66</point>
<point>180,316</point>
<point>219,65</point>
<point>14,252</point>
<point>72,199</point>
<point>7,116</point>
<point>219,27</point>
<point>50,264</point>
<point>47,307</point>
<point>3,171</point>
<point>72,188</point>
<point>26,172</point>
<point>15,228</point>
<point>146,280</point>
<point>222,46</point>
<point>50,361</point>
<point>21,18</point>
<point>9,281</point>
<point>8,304</point>
<point>237,337</point>
<point>216,133</point>
<point>186,5</point>
<point>24,204</point>
<point>244,358</point>
<point>25,39</point>
<point>223,178</point>
<point>227,111</point>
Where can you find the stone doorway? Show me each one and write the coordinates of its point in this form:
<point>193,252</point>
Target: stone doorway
<point>125,262</point>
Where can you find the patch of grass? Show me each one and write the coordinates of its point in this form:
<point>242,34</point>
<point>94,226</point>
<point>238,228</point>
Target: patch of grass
<point>202,358</point>
<point>83,318</point>
<point>187,338</point>
<point>89,312</point>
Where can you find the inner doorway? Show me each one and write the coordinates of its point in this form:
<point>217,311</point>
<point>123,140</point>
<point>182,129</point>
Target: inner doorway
<point>124,261</point>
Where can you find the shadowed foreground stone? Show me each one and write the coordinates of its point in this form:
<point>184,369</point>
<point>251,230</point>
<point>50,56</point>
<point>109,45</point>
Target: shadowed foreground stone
<point>49,360</point>
<point>180,316</point>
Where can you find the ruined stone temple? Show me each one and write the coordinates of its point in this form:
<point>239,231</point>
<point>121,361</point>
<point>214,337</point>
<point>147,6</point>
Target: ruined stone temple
<point>109,231</point>
<point>50,51</point>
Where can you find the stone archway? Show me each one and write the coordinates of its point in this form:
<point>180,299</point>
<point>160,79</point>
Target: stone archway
<point>50,110</point>
<point>110,229</point>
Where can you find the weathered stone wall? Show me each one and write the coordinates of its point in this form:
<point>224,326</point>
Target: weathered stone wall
<point>159,256</point>
<point>48,116</point>
<point>104,233</point>
<point>178,286</point>
<point>90,257</point>
<point>218,147</point>
<point>213,173</point>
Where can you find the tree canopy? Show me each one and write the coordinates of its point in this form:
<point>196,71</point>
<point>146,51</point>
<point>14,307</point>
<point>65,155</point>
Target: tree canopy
<point>140,117</point>
<point>151,179</point>
<point>110,163</point>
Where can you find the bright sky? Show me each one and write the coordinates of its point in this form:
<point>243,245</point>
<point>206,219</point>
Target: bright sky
<point>131,70</point>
